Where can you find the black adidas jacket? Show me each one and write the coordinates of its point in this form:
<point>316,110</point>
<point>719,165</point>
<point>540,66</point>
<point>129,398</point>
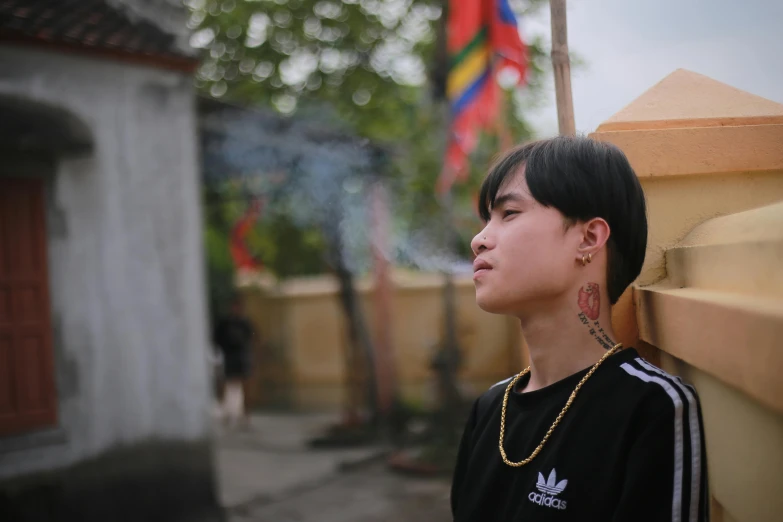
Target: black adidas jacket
<point>630,448</point>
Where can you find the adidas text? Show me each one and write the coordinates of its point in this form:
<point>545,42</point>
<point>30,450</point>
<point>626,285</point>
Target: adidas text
<point>542,499</point>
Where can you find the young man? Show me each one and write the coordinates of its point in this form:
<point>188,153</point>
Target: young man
<point>590,431</point>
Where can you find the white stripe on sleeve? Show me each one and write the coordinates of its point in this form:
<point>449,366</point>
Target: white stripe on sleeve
<point>678,414</point>
<point>693,420</point>
<point>502,382</point>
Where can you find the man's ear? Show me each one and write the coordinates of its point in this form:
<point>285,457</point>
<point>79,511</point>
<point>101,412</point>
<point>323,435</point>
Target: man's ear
<point>595,234</point>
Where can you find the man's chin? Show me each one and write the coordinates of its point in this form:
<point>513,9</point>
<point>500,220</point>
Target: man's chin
<point>488,304</point>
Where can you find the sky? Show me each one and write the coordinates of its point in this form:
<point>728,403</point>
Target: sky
<point>630,45</point>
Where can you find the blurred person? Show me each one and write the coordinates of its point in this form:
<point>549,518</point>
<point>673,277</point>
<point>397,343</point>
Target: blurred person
<point>589,431</point>
<point>233,335</point>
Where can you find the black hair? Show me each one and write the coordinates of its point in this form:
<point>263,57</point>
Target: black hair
<point>583,179</point>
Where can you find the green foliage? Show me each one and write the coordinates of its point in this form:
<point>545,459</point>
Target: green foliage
<point>288,249</point>
<point>365,58</point>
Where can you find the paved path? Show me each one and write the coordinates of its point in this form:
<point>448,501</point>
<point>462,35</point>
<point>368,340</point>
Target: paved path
<point>371,494</point>
<point>269,473</point>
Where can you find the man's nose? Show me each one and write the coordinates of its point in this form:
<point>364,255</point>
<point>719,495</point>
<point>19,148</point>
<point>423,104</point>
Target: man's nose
<point>479,242</point>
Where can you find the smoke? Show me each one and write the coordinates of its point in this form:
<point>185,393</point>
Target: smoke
<point>421,249</point>
<point>318,177</point>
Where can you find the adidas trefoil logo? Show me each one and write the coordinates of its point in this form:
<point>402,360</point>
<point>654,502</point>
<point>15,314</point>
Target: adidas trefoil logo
<point>549,486</point>
<point>549,489</point>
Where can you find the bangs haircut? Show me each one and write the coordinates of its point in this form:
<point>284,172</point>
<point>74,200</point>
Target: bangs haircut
<point>583,179</point>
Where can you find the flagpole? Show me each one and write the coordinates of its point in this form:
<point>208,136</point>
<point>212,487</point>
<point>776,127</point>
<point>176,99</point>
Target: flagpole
<point>446,359</point>
<point>562,68</point>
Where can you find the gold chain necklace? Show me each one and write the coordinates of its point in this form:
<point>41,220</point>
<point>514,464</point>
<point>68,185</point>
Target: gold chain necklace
<point>557,420</point>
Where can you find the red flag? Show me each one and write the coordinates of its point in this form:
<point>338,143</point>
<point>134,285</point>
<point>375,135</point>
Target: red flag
<point>243,259</point>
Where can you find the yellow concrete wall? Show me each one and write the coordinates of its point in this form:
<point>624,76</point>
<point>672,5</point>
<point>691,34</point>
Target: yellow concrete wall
<point>676,205</point>
<point>708,305</point>
<point>302,364</point>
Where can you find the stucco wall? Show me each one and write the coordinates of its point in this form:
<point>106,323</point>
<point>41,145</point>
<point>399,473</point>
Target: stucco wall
<point>302,361</point>
<point>125,260</point>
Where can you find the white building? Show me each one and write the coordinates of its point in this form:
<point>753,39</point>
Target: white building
<point>104,383</point>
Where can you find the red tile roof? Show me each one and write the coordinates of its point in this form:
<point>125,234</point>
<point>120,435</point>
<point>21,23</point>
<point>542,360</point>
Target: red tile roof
<point>90,25</point>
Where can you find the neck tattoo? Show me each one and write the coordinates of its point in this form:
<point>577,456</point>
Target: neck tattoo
<point>589,301</point>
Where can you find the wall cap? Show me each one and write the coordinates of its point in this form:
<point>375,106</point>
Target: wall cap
<point>687,99</point>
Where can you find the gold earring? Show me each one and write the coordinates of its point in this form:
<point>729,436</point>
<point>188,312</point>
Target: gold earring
<point>584,261</point>
<point>589,258</point>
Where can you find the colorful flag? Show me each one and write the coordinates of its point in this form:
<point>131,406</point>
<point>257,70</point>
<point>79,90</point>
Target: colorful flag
<point>482,38</point>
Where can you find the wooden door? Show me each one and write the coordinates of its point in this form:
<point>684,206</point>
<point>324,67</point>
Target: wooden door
<point>27,392</point>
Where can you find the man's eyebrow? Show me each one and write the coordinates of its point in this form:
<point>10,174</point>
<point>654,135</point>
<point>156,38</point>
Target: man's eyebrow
<point>514,197</point>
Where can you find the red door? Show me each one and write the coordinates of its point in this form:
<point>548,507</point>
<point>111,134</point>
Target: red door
<point>27,393</point>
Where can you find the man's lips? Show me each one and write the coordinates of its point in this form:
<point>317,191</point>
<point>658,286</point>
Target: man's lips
<point>480,265</point>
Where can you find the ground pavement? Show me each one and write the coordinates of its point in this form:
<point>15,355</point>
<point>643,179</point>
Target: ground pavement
<point>268,473</point>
